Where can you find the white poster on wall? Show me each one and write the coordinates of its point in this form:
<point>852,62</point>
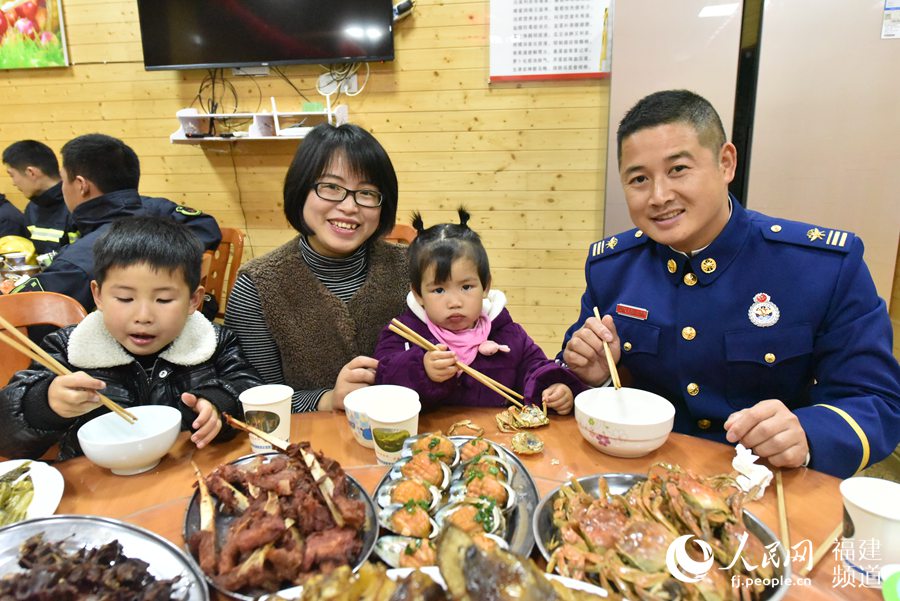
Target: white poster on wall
<point>550,39</point>
<point>890,27</point>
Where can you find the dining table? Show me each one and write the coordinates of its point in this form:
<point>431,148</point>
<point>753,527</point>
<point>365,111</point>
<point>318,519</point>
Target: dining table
<point>158,499</point>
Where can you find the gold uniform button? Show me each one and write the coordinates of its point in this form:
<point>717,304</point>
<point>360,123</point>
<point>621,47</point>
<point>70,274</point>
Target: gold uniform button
<point>688,333</point>
<point>693,389</point>
<point>770,358</point>
<point>708,265</point>
<point>638,234</point>
<point>690,279</point>
<point>627,346</point>
<point>704,424</point>
<point>775,228</point>
<point>671,266</point>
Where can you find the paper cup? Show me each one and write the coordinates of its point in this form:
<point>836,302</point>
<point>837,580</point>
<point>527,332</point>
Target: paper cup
<point>268,408</point>
<point>355,410</point>
<point>871,527</point>
<point>393,416</point>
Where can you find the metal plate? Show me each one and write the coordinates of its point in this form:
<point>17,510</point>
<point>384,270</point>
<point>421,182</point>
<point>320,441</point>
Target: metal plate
<point>165,559</point>
<point>519,534</point>
<point>618,485</point>
<point>435,574</point>
<point>223,523</point>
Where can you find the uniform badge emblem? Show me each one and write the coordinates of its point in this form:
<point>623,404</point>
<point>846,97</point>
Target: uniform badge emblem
<point>815,234</point>
<point>612,243</point>
<point>763,312</point>
<point>632,311</point>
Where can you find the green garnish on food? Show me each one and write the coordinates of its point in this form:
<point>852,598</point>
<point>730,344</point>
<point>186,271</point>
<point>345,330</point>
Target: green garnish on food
<point>434,442</point>
<point>15,494</point>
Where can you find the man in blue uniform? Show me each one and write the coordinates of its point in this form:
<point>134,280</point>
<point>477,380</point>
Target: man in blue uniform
<point>759,330</point>
<point>12,222</point>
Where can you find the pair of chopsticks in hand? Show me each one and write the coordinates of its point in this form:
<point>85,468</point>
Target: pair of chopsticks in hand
<point>24,345</point>
<point>613,372</point>
<point>404,331</point>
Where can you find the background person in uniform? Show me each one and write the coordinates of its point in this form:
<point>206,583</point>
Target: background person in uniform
<point>760,330</point>
<point>12,222</point>
<point>100,176</point>
<point>34,170</point>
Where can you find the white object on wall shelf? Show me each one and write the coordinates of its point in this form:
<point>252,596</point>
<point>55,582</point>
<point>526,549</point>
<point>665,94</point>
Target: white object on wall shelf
<point>198,128</point>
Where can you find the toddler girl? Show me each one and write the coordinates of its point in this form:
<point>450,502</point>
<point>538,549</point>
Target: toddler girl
<point>452,305</point>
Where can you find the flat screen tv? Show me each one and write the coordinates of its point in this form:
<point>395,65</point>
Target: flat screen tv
<point>206,34</point>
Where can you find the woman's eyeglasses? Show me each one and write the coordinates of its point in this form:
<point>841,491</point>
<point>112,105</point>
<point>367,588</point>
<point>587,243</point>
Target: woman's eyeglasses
<point>336,193</point>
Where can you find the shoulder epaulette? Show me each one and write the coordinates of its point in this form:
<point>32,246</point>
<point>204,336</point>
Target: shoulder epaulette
<point>616,244</point>
<point>805,234</point>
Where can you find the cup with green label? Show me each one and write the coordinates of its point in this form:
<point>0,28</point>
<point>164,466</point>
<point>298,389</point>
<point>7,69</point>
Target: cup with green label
<point>393,416</point>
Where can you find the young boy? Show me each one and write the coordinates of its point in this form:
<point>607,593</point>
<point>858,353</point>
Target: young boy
<point>145,344</point>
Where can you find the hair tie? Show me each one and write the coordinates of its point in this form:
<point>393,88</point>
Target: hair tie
<point>463,216</point>
<point>417,222</point>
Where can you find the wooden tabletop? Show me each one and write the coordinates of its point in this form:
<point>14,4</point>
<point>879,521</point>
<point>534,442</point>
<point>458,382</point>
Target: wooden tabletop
<point>157,500</point>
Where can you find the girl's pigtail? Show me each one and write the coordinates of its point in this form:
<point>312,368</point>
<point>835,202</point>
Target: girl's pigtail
<point>463,217</point>
<point>417,222</point>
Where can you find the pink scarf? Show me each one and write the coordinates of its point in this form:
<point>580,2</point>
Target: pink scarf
<point>467,343</point>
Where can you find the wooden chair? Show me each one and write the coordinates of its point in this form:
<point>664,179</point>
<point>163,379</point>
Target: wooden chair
<point>33,309</point>
<point>402,234</point>
<point>226,260</point>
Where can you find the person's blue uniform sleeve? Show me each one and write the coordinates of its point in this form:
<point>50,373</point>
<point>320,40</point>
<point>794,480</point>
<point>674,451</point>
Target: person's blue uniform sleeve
<point>203,225</point>
<point>855,416</point>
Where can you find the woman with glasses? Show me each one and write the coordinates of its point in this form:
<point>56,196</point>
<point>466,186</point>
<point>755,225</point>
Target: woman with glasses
<point>308,313</point>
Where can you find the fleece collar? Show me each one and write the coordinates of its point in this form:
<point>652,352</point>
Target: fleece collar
<point>490,307</point>
<point>91,346</point>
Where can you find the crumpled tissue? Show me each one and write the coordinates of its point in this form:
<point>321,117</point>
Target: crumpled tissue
<point>750,474</point>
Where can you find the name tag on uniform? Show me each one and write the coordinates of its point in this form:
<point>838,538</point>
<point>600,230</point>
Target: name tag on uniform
<point>630,311</point>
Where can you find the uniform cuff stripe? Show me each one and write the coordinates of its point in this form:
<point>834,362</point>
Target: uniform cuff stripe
<point>859,432</point>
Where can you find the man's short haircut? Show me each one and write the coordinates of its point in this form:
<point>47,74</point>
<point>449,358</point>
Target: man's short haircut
<point>158,242</point>
<point>107,162</point>
<point>31,153</point>
<point>674,106</point>
<point>363,155</point>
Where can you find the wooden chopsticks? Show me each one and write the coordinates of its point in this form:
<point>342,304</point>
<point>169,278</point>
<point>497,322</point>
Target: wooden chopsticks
<point>24,345</point>
<point>613,372</point>
<point>782,514</point>
<point>819,553</point>
<point>401,329</point>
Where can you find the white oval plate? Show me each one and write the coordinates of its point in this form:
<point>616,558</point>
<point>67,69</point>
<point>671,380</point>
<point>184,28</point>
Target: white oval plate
<point>48,486</point>
<point>435,573</point>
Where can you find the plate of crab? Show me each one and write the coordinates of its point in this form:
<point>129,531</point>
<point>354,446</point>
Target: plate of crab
<point>626,533</point>
<point>470,482</point>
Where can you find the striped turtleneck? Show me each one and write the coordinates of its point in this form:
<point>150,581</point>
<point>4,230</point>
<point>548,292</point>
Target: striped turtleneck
<point>342,276</point>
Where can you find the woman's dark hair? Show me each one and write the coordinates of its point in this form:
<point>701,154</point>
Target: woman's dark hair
<point>365,157</point>
<point>442,244</point>
<point>158,242</point>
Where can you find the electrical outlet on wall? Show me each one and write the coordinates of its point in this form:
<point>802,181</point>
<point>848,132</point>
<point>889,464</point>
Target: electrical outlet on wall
<point>328,85</point>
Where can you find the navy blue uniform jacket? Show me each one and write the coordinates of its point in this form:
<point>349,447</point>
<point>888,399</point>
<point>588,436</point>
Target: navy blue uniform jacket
<point>819,339</point>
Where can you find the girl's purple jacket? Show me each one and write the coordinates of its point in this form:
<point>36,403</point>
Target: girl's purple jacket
<point>525,369</point>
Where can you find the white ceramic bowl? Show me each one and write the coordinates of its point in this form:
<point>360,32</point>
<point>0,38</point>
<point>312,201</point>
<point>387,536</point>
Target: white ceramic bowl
<point>625,423</point>
<point>109,441</point>
<point>355,409</point>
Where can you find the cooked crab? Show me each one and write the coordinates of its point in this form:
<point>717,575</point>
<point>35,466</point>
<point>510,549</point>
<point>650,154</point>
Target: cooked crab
<point>529,416</point>
<point>527,443</point>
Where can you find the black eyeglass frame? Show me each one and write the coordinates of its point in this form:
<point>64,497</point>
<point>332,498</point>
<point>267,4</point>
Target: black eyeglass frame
<point>348,192</point>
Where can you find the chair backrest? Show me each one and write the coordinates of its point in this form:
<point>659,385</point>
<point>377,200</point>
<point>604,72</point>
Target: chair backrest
<point>34,309</point>
<point>402,234</point>
<point>226,261</point>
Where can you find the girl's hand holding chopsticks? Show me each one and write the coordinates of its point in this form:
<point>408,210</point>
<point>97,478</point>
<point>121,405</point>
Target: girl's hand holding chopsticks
<point>74,394</point>
<point>440,364</point>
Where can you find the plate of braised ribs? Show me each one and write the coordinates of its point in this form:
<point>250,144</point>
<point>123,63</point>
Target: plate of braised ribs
<point>267,522</point>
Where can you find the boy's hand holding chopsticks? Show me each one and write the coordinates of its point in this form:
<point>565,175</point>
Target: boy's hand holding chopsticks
<point>74,394</point>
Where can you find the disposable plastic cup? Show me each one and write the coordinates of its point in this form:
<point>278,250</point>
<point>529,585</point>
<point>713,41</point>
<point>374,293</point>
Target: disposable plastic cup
<point>268,408</point>
<point>393,416</point>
